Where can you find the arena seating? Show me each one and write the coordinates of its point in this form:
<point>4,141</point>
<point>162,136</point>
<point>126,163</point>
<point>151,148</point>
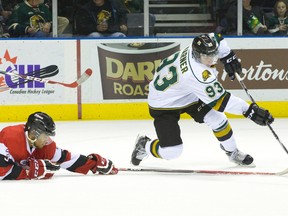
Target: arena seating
<point>188,17</point>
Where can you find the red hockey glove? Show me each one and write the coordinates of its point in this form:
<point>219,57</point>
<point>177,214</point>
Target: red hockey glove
<point>41,169</point>
<point>103,165</point>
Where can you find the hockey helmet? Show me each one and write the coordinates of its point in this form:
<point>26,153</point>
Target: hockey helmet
<point>41,123</point>
<point>205,49</point>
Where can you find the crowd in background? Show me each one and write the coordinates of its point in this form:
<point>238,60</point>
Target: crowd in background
<point>102,18</point>
<point>265,18</point>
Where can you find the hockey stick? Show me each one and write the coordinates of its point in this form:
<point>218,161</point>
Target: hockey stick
<point>48,71</point>
<point>74,84</point>
<point>214,172</point>
<point>252,99</point>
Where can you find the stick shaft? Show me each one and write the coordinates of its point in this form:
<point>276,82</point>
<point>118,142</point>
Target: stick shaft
<point>74,84</point>
<point>252,99</point>
<point>245,88</point>
<point>185,171</point>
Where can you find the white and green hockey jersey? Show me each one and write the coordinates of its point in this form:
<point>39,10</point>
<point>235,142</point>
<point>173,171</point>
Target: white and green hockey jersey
<point>180,81</point>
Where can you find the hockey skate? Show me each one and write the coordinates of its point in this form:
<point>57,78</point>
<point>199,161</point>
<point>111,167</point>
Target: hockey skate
<point>239,157</point>
<point>139,152</point>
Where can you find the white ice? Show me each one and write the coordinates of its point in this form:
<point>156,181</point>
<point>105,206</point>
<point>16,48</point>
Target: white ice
<point>156,194</point>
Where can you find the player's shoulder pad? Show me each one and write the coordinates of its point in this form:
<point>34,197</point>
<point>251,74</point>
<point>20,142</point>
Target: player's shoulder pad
<point>217,36</point>
<point>203,75</point>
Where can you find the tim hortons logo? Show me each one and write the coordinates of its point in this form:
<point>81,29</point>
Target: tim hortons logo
<point>261,76</point>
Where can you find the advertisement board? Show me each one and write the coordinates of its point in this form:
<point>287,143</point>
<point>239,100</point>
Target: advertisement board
<point>30,57</point>
<point>123,73</point>
<point>122,69</point>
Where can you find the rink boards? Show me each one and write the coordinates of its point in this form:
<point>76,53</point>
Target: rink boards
<point>122,70</point>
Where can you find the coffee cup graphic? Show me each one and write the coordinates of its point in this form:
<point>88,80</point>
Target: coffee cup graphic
<point>127,68</point>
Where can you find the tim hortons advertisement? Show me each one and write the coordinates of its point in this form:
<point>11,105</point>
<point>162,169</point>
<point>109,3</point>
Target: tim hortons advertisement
<point>126,69</point>
<point>262,69</point>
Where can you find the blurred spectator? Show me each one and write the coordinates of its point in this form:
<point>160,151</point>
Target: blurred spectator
<point>4,15</point>
<point>227,21</point>
<point>134,6</point>
<point>10,4</point>
<point>136,22</point>
<point>263,3</point>
<point>30,18</point>
<point>254,19</point>
<point>278,24</point>
<point>102,18</point>
<point>62,22</point>
<point>137,6</point>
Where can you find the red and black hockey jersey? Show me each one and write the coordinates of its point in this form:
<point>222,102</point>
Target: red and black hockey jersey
<point>15,150</point>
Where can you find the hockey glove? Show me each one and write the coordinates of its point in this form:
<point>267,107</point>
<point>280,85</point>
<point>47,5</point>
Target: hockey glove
<point>259,115</point>
<point>41,169</point>
<point>232,65</point>
<point>103,165</point>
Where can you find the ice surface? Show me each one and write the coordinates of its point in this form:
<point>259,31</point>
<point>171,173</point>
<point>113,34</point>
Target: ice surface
<point>143,194</point>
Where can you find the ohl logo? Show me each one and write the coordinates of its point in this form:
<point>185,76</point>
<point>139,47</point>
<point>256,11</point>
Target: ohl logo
<point>16,76</point>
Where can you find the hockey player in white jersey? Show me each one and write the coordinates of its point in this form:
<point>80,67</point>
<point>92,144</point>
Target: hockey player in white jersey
<point>186,82</point>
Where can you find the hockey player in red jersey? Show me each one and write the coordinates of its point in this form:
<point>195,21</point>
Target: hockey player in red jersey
<point>28,152</point>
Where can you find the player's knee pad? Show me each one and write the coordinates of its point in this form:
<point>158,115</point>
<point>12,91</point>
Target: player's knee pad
<point>198,111</point>
<point>215,119</point>
<point>171,152</point>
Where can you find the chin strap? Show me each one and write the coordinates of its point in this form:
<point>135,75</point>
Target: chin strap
<point>30,140</point>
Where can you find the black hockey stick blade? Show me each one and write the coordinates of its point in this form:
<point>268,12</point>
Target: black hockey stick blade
<point>49,71</point>
<point>214,172</point>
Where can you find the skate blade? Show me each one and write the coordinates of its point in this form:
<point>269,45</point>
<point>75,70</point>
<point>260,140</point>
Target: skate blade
<point>252,165</point>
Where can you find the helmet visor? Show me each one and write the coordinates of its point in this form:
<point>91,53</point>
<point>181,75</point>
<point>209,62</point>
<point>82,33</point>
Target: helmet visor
<point>39,131</point>
<point>209,59</point>
<point>43,138</point>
